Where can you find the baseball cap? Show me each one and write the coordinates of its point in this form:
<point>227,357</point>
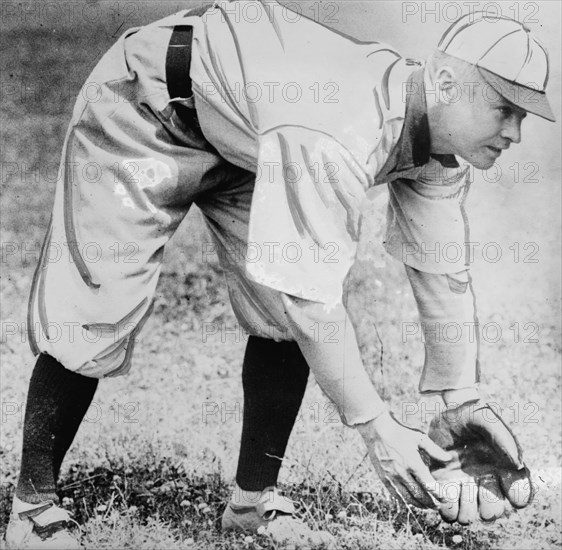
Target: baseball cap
<point>508,57</point>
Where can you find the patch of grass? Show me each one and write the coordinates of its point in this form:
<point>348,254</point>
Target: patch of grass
<point>157,502</point>
<point>199,292</point>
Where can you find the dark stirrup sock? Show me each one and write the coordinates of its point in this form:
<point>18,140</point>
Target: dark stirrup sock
<point>274,377</point>
<point>57,401</point>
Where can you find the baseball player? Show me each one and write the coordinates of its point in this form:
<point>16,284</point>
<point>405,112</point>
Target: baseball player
<point>218,109</point>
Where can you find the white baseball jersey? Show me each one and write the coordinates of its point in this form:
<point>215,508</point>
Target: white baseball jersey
<point>297,122</point>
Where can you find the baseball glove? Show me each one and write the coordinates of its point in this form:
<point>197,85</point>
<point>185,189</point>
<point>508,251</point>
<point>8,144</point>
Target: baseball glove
<point>487,467</point>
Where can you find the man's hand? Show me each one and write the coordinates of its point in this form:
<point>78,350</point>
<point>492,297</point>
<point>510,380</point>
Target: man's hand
<point>487,467</point>
<point>394,450</point>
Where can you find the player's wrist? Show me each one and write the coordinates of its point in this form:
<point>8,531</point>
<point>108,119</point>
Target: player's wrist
<point>461,396</point>
<point>370,429</point>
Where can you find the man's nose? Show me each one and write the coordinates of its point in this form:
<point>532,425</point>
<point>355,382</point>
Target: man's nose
<point>512,130</point>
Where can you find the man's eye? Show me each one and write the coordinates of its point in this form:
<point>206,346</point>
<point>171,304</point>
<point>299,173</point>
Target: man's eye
<point>506,111</point>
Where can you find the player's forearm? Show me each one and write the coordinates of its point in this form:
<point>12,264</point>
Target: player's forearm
<point>449,328</point>
<point>334,358</point>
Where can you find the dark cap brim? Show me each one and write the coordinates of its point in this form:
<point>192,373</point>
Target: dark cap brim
<point>524,97</point>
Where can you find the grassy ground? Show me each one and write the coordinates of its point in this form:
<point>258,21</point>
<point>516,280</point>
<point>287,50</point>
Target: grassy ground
<point>154,459</point>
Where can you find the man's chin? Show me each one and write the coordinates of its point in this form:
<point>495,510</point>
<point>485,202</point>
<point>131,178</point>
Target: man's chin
<point>484,164</point>
<point>480,163</point>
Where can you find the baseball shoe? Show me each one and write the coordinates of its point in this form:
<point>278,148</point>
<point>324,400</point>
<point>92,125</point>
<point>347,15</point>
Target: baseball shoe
<point>274,516</point>
<point>42,526</point>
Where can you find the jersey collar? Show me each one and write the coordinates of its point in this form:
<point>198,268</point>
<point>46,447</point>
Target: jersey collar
<point>412,150</point>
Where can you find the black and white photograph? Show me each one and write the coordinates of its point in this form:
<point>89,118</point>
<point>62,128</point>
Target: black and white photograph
<point>280,275</point>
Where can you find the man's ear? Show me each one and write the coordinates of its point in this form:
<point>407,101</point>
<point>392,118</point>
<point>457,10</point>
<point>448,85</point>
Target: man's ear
<point>445,82</point>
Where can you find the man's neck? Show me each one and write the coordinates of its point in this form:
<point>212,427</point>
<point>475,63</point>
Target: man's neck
<point>434,113</point>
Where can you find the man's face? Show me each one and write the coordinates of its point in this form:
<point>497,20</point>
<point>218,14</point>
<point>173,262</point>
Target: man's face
<point>481,124</point>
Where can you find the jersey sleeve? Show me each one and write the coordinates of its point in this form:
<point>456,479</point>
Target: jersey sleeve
<point>428,231</point>
<point>305,214</point>
<point>427,225</point>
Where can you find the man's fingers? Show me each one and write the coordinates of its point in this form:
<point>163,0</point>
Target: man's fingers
<point>391,487</point>
<point>406,488</point>
<point>517,487</point>
<point>433,450</point>
<point>449,507</point>
<point>468,503</point>
<point>416,494</point>
<point>401,491</point>
<point>427,483</point>
<point>491,503</point>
